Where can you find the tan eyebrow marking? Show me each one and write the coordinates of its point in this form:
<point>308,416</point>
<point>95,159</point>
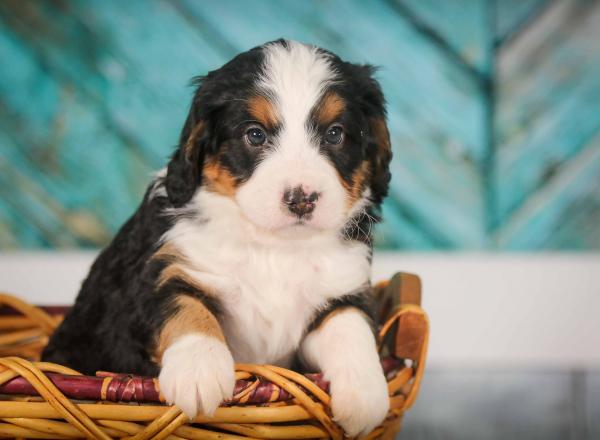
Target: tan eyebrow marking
<point>263,110</point>
<point>330,108</point>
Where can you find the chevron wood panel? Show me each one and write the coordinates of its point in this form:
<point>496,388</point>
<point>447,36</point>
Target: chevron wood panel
<point>463,26</point>
<point>548,131</point>
<point>93,94</point>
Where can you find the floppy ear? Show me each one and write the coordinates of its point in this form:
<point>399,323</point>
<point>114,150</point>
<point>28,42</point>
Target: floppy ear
<point>381,155</point>
<point>184,172</point>
<point>379,147</point>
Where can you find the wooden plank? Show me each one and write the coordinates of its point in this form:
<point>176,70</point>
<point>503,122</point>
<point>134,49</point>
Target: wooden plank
<point>157,53</point>
<point>82,76</point>
<point>548,94</point>
<point>568,204</point>
<point>513,15</point>
<point>54,141</point>
<point>16,232</point>
<point>79,74</point>
<point>400,230</point>
<point>133,95</point>
<point>463,25</point>
<point>578,227</point>
<point>27,209</point>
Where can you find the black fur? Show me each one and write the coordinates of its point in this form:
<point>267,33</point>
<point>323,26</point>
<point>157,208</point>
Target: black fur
<point>216,106</point>
<point>360,300</point>
<point>119,312</point>
<point>365,104</point>
<point>113,322</point>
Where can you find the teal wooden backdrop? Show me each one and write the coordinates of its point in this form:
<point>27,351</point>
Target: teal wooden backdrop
<point>494,110</point>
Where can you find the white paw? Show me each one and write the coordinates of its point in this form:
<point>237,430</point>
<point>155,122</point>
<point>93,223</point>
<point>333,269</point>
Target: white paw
<point>359,400</point>
<point>197,374</point>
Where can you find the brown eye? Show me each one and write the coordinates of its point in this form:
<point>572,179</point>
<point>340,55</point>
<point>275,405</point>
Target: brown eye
<point>255,136</point>
<point>334,135</point>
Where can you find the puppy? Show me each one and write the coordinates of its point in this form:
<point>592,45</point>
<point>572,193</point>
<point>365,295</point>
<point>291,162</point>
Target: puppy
<point>254,244</point>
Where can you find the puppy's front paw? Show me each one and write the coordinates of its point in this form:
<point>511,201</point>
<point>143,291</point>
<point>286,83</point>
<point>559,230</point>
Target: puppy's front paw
<point>197,374</point>
<point>359,399</point>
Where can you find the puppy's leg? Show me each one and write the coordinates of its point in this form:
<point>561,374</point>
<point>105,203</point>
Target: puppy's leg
<point>343,347</point>
<point>197,370</point>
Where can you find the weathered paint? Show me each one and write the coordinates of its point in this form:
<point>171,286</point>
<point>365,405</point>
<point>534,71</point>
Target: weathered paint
<point>491,109</point>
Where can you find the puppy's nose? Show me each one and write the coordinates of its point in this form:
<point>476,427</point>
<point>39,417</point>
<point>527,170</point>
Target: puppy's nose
<point>298,202</point>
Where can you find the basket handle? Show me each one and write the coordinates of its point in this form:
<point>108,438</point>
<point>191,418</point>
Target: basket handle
<point>400,290</point>
<point>406,316</point>
<point>405,326</point>
<point>405,330</point>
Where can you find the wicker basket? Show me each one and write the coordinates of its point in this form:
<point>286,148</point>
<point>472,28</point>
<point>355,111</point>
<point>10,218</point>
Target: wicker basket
<point>44,400</point>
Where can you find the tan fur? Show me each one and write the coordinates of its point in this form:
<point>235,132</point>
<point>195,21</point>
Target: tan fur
<point>331,107</point>
<point>382,137</point>
<point>168,252</point>
<point>189,145</point>
<point>219,180</point>
<point>191,317</point>
<point>359,178</point>
<point>176,269</point>
<point>261,109</point>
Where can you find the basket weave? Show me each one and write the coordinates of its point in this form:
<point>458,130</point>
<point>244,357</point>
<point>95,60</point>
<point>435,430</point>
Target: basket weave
<point>45,400</point>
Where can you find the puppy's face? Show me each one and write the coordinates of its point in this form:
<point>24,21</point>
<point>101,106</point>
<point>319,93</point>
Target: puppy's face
<point>295,136</point>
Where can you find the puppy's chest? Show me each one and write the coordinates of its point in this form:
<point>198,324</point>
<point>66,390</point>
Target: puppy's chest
<point>270,294</point>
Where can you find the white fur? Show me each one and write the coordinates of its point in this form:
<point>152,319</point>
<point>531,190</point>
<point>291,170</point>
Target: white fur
<point>344,349</point>
<point>273,274</point>
<point>269,285</point>
<point>295,79</point>
<point>197,374</point>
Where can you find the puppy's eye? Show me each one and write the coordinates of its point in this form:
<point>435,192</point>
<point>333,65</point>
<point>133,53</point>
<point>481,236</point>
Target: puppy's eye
<point>255,136</point>
<point>334,135</point>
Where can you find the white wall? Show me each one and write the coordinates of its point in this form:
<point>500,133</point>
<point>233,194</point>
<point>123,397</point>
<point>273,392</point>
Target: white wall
<point>508,309</point>
<point>492,310</point>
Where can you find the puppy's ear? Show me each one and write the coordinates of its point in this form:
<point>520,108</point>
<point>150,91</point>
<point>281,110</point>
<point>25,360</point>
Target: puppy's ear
<point>379,147</point>
<point>184,172</point>
<point>381,155</point>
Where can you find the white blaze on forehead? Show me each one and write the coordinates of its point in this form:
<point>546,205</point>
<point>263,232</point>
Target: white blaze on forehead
<point>295,77</point>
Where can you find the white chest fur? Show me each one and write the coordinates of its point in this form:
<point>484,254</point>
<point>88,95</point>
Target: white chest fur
<point>270,286</point>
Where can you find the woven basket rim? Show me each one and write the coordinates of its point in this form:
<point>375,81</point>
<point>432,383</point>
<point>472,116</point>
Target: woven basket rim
<point>266,395</point>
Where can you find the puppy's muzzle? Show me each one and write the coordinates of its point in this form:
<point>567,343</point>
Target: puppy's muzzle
<point>299,202</point>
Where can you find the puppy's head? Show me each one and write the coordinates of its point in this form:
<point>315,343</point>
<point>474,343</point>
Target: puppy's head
<point>292,134</point>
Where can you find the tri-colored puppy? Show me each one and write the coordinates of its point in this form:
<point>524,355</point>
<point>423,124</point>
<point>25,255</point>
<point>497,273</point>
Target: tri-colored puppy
<point>254,244</point>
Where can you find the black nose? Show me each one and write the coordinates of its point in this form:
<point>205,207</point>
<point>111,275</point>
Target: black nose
<point>298,202</point>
